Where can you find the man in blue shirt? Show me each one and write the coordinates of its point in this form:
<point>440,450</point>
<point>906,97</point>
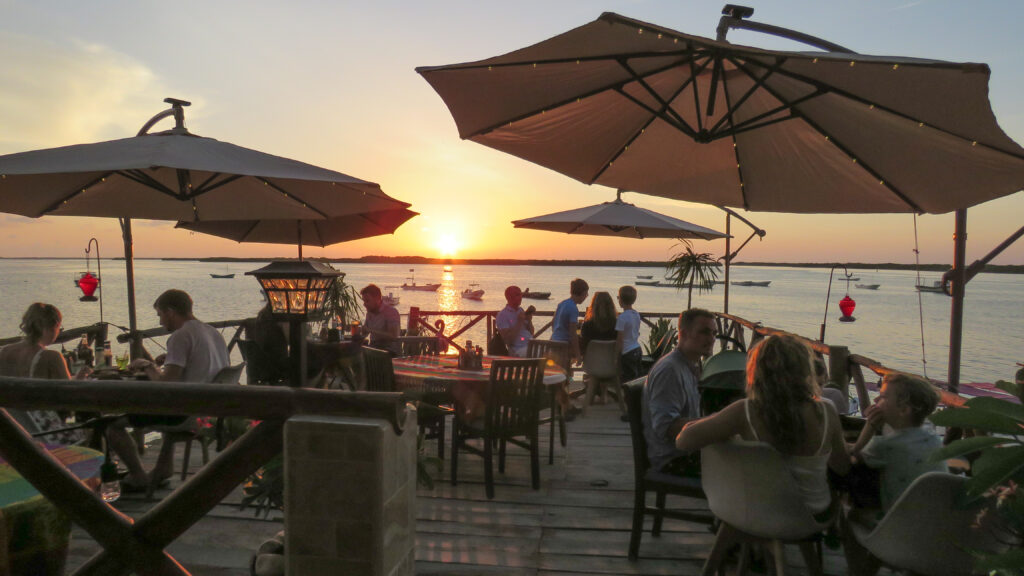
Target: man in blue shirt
<point>563,327</point>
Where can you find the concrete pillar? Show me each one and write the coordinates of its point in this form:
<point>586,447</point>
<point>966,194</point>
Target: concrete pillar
<point>350,496</point>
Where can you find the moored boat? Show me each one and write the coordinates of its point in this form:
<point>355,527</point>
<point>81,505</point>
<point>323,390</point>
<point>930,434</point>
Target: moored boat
<point>474,292</point>
<point>935,287</point>
<point>642,277</point>
<point>222,275</point>
<point>536,295</point>
<point>646,282</point>
<point>391,300</point>
<point>867,286</point>
<point>762,283</point>
<point>412,285</point>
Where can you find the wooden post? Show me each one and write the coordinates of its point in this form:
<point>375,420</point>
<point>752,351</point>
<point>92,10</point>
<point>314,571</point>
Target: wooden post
<point>839,367</point>
<point>728,261</point>
<point>959,279</point>
<point>414,320</point>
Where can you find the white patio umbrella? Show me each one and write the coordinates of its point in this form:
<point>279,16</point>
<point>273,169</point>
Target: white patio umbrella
<point>176,175</point>
<point>323,232</point>
<point>619,219</point>
<point>631,105</point>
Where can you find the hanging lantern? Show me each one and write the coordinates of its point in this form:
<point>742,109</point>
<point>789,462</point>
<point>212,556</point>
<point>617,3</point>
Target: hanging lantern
<point>846,306</point>
<point>88,284</point>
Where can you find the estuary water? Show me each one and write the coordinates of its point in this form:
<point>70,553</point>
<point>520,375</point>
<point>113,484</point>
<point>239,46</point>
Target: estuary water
<point>887,328</point>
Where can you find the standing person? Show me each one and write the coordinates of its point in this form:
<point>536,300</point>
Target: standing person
<point>567,314</point>
<point>513,325</point>
<point>627,328</point>
<point>196,352</point>
<point>383,324</point>
<point>671,398</point>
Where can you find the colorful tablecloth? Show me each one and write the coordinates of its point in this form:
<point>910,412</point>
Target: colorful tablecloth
<point>34,539</point>
<point>411,372</point>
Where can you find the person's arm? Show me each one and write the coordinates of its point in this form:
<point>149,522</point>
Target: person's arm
<point>666,404</point>
<point>718,427</point>
<point>874,423</point>
<point>839,459</point>
<point>574,342</point>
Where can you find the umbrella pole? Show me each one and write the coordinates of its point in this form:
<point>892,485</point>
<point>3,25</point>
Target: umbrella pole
<point>298,229</point>
<point>958,278</point>
<point>728,259</point>
<point>129,269</point>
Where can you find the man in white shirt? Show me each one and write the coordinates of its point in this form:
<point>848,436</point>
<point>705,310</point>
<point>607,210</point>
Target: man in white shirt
<point>513,324</point>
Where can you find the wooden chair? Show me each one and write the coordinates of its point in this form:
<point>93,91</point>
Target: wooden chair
<point>379,374</point>
<point>226,375</point>
<point>512,417</point>
<point>558,353</point>
<point>419,345</point>
<point>751,490</point>
<point>601,366</point>
<point>649,480</point>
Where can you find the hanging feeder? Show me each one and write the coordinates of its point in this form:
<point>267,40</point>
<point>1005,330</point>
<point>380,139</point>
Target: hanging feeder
<point>846,306</point>
<point>88,283</point>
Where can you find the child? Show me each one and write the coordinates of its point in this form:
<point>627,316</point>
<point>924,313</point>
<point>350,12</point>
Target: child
<point>628,342</point>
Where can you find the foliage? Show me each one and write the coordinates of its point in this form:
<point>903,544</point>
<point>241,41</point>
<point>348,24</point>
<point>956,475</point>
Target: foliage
<point>689,269</point>
<point>343,305</point>
<point>662,338</point>
<point>998,469</point>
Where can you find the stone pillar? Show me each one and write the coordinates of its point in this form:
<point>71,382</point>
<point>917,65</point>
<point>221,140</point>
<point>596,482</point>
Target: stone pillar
<point>350,496</point>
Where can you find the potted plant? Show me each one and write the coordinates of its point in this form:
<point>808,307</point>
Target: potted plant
<point>689,269</point>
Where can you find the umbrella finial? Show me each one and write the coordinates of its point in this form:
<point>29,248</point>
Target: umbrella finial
<point>175,110</point>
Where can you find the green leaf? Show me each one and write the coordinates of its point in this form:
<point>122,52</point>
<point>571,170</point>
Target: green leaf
<point>976,418</point>
<point>1011,388</point>
<point>1012,560</point>
<point>993,467</point>
<point>998,406</point>
<point>966,446</point>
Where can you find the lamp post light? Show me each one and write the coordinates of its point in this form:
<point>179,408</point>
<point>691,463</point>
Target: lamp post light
<point>297,292</point>
<point>846,305</point>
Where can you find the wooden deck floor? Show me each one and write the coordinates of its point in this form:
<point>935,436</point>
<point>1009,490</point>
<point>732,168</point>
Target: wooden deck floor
<point>577,523</point>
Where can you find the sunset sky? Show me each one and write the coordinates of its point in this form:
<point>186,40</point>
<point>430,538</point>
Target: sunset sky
<point>332,83</point>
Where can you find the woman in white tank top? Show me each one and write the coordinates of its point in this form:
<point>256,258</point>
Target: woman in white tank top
<point>783,408</point>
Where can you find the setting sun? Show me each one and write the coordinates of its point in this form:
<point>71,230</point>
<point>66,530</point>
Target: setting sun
<point>447,245</point>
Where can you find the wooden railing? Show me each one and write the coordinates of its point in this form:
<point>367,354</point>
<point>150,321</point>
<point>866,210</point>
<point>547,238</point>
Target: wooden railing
<point>139,545</point>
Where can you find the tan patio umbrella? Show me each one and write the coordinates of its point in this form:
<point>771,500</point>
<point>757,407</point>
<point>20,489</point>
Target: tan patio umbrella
<point>636,106</point>
<point>619,219</point>
<point>176,175</point>
<point>323,232</point>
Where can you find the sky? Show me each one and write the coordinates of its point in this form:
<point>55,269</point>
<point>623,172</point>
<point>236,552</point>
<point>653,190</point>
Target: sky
<point>332,83</point>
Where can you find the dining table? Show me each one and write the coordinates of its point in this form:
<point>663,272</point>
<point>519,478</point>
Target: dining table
<point>34,534</point>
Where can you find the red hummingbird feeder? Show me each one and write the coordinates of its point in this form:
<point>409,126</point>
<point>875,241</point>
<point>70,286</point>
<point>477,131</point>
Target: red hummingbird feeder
<point>88,284</point>
<point>846,306</point>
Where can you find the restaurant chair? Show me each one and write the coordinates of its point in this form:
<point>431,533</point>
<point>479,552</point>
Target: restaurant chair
<point>558,353</point>
<point>419,345</point>
<point>929,530</point>
<point>226,375</point>
<point>601,366</point>
<point>513,401</point>
<point>379,374</point>
<point>648,480</point>
<point>751,491</point>
<point>261,367</point>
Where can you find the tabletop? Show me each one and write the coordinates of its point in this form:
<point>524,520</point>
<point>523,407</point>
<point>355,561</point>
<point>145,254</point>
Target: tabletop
<point>412,371</point>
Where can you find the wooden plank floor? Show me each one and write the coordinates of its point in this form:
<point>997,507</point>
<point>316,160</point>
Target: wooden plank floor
<point>577,523</point>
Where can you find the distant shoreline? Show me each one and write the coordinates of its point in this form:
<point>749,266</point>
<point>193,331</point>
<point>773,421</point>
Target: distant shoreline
<point>420,260</point>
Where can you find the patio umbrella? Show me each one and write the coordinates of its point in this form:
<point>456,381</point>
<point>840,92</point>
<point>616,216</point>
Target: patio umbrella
<point>631,105</point>
<point>311,232</point>
<point>619,219</point>
<point>176,175</point>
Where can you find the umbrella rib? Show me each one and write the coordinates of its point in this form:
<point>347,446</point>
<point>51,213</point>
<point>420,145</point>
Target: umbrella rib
<point>291,196</point>
<point>77,191</point>
<point>758,83</point>
<point>147,180</point>
<point>883,108</point>
<point>696,94</point>
<point>208,185</point>
<point>865,166</point>
<point>729,110</point>
<point>612,86</point>
<point>666,107</point>
<point>245,236</point>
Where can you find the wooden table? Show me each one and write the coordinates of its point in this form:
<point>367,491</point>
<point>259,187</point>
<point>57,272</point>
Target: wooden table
<point>34,533</point>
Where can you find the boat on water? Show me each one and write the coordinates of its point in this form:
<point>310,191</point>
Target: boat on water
<point>935,287</point>
<point>646,282</point>
<point>854,279</point>
<point>222,275</point>
<point>867,286</point>
<point>647,277</point>
<point>762,283</point>
<point>412,285</point>
<point>536,295</point>
<point>474,292</point>
<point>391,300</point>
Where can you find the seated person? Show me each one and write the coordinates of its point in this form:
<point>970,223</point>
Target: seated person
<point>830,392</point>
<point>671,397</point>
<point>512,323</point>
<point>30,358</point>
<point>598,324</point>
<point>783,409</point>
<point>268,363</point>
<point>383,324</point>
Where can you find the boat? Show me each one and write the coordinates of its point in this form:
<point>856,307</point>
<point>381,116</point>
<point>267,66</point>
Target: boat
<point>762,283</point>
<point>412,285</point>
<point>222,275</point>
<point>391,300</point>
<point>935,287</point>
<point>647,277</point>
<point>867,286</point>
<point>854,279</point>
<point>646,282</point>
<point>536,295</point>
<point>474,292</point>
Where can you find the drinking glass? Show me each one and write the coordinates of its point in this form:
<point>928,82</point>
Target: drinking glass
<point>122,361</point>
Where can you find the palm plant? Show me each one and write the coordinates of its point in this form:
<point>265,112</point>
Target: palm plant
<point>342,305</point>
<point>688,269</point>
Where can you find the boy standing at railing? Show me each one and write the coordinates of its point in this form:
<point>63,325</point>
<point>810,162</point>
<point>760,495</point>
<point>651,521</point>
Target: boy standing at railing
<point>628,342</point>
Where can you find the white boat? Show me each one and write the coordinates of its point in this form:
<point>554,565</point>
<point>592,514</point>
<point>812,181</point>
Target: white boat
<point>474,292</point>
<point>935,287</point>
<point>391,300</point>
<point>647,277</point>
<point>867,286</point>
<point>412,285</point>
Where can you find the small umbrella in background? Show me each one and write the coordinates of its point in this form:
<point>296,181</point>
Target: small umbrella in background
<point>322,232</point>
<point>619,219</point>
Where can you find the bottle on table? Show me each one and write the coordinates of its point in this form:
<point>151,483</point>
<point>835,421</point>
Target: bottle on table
<point>108,354</point>
<point>110,484</point>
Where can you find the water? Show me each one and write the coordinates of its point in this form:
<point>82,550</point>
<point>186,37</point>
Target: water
<point>887,326</point>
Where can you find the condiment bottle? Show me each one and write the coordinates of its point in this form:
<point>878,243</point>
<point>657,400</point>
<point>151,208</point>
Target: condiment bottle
<point>110,484</point>
<point>108,354</point>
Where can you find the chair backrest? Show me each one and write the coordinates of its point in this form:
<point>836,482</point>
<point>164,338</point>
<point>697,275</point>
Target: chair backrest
<point>514,396</point>
<point>378,370</point>
<point>750,488</point>
<point>261,366</point>
<point>229,374</point>
<point>928,531</point>
<point>557,352</point>
<point>418,345</point>
<point>634,393</point>
<point>599,359</point>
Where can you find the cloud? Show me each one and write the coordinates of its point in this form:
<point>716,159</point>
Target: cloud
<point>58,94</point>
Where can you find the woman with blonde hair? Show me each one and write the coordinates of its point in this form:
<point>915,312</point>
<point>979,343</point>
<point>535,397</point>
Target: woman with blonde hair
<point>599,324</point>
<point>783,408</point>
<point>30,358</point>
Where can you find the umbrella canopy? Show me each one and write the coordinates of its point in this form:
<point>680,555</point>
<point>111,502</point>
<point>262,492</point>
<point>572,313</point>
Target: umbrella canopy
<point>634,106</point>
<point>309,232</point>
<point>619,219</point>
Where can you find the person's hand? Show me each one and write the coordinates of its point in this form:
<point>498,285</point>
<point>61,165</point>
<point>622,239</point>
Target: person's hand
<point>84,372</point>
<point>875,417</point>
<point>159,360</point>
